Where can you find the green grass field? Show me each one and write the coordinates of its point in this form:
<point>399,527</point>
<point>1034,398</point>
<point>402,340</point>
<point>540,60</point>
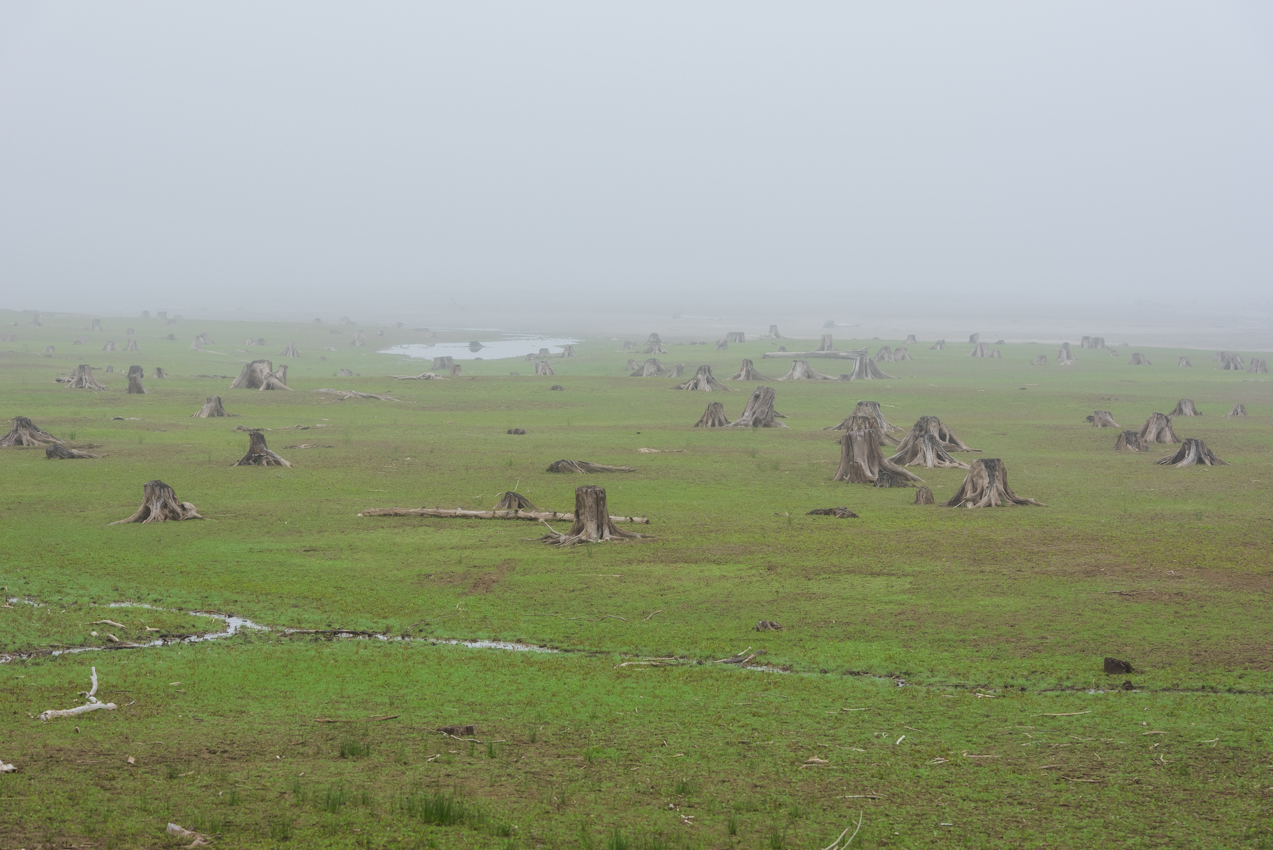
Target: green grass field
<point>939,674</point>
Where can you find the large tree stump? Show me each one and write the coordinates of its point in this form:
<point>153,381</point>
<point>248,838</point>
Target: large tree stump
<point>259,453</point>
<point>871,409</point>
<point>252,377</point>
<point>862,462</point>
<point>827,343</point>
<point>211,409</point>
<point>995,354</point>
<point>1185,407</point>
<point>759,412</point>
<point>1157,429</point>
<point>110,346</point>
<point>860,422</point>
<point>986,486</point>
<point>1258,366</point>
<point>735,336</point>
<point>974,339</point>
<point>885,355</point>
<point>1192,453</point>
<point>1229,362</point>
<point>864,369</point>
<point>801,371</point>
<point>57,451</point>
<point>1184,361</point>
<point>927,452</point>
<point>939,345</point>
<point>703,381</point>
<point>628,345</point>
<point>95,325</point>
<point>924,496</point>
<point>748,373</point>
<point>901,354</point>
<point>592,521</point>
<point>543,367</point>
<point>1104,419</point>
<point>290,351</point>
<point>981,349</point>
<point>1064,353</point>
<point>82,379</point>
<point>1039,360</point>
<point>159,504</point>
<point>26,433</point>
<point>132,345</point>
<point>49,351</point>
<point>134,384</point>
<point>931,426</point>
<point>1238,410</point>
<point>1139,359</point>
<point>567,351</point>
<point>910,340</point>
<point>651,368</point>
<point>722,345</point>
<point>1129,441</point>
<point>773,333</point>
<point>713,417</point>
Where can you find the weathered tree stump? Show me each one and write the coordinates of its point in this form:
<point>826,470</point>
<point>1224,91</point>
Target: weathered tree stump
<point>827,343</point>
<point>1117,667</point>
<point>26,433</point>
<point>1064,353</point>
<point>543,367</point>
<point>1229,362</point>
<point>57,451</point>
<point>927,452</point>
<point>759,412</point>
<point>1139,359</point>
<point>134,382</point>
<point>1185,407</point>
<point>290,351</point>
<point>259,453</point>
<point>748,373</point>
<point>49,351</point>
<point>713,417</point>
<point>583,467</point>
<point>108,370</point>
<point>1039,360</point>
<point>651,368</point>
<point>735,336</point>
<point>931,425</point>
<point>981,349</point>
<point>1129,441</point>
<point>910,340</point>
<point>722,345</point>
<point>862,462</point>
<point>973,339</point>
<point>901,354</point>
<point>159,504</point>
<point>628,345</point>
<point>801,371</point>
<point>211,409</point>
<point>1184,361</point>
<point>773,333</point>
<point>995,354</point>
<point>514,501</point>
<point>632,365</point>
<point>884,355</point>
<point>592,521</point>
<point>95,325</point>
<point>1104,419</point>
<point>939,345</point>
<point>110,346</point>
<point>1192,453</point>
<point>703,381</point>
<point>132,345</point>
<point>1238,410</point>
<point>841,513</point>
<point>1258,366</point>
<point>567,351</point>
<point>252,377</point>
<point>924,496</point>
<point>864,369</point>
<point>82,379</point>
<point>1157,429</point>
<point>986,486</point>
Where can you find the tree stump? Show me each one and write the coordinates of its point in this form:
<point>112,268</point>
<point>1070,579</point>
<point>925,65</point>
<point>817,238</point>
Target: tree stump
<point>252,377</point>
<point>259,453</point>
<point>864,369</point>
<point>1259,366</point>
<point>901,354</point>
<point>827,343</point>
<point>95,325</point>
<point>713,417</point>
<point>656,348</point>
<point>1039,360</point>
<point>927,452</point>
<point>801,371</point>
<point>132,345</point>
<point>924,496</point>
<point>1229,362</point>
<point>735,336</point>
<point>1104,419</point>
<point>862,462</point>
<point>171,338</point>
<point>939,345</point>
<point>995,354</point>
<point>57,451</point>
<point>628,345</point>
<point>986,486</point>
<point>110,346</point>
<point>1157,429</point>
<point>910,340</point>
<point>211,409</point>
<point>1129,441</point>
<point>359,340</point>
<point>513,501</point>
<point>759,412</point>
<point>109,370</point>
<point>703,381</point>
<point>592,521</point>
<point>567,351</point>
<point>652,368</point>
<point>134,382</point>
<point>632,365</point>
<point>1184,361</point>
<point>543,367</point>
<point>82,379</point>
<point>49,351</point>
<point>722,345</point>
<point>981,349</point>
<point>1139,359</point>
<point>1185,407</point>
<point>160,373</point>
<point>26,433</point>
<point>927,426</point>
<point>1192,453</point>
<point>747,372</point>
<point>884,355</point>
<point>159,504</point>
<point>773,333</point>
<point>1238,410</point>
<point>973,339</point>
<point>290,351</point>
<point>1064,352</point>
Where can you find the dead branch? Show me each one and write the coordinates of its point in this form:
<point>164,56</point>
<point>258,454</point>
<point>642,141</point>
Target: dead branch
<point>92,705</point>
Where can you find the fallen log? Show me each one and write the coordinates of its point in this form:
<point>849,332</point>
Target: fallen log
<point>461,513</point>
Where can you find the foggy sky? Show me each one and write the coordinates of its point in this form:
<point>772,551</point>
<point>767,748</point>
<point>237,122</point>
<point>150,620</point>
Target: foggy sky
<point>369,157</point>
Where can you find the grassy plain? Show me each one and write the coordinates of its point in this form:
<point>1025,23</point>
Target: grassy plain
<point>953,631</point>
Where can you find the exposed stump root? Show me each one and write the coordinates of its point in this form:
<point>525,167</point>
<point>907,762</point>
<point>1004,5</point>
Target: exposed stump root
<point>841,512</point>
<point>584,467</point>
<point>26,433</point>
<point>57,451</point>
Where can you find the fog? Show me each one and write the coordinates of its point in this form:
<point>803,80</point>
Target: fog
<point>489,162</point>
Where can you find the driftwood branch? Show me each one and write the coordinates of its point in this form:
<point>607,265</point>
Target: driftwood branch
<point>92,705</point>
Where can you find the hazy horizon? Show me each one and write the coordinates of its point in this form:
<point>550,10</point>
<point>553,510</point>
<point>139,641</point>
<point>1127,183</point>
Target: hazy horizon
<point>1033,163</point>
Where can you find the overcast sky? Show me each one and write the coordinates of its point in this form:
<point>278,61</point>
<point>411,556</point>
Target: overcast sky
<point>265,154</point>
